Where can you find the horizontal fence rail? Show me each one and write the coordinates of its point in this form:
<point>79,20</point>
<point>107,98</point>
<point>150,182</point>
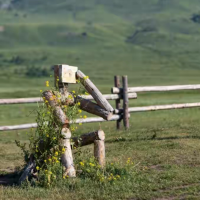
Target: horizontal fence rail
<point>159,107</point>
<point>40,100</point>
<point>118,94</point>
<point>116,90</point>
<point>77,121</point>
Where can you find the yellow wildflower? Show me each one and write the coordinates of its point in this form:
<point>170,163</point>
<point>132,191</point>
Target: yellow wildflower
<point>49,159</point>
<point>37,168</point>
<point>73,92</point>
<point>56,153</point>
<point>78,103</point>
<point>84,116</point>
<point>47,135</point>
<point>45,161</point>
<point>40,90</point>
<point>86,77</point>
<point>57,161</point>
<point>47,83</point>
<point>54,138</point>
<point>80,111</point>
<point>81,163</point>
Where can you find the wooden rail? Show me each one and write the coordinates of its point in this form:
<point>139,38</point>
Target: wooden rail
<point>40,100</point>
<point>77,121</point>
<point>116,90</point>
<point>119,93</point>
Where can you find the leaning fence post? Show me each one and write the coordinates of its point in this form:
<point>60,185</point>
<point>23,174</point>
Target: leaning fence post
<point>125,102</point>
<point>117,102</point>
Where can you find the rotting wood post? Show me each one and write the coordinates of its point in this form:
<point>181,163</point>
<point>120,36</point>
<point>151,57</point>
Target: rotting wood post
<point>125,102</point>
<point>117,102</point>
<point>99,151</point>
<point>67,159</point>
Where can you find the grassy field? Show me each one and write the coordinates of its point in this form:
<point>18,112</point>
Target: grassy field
<point>154,42</point>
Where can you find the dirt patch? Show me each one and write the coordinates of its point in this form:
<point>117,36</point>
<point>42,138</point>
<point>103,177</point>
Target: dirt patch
<point>157,167</point>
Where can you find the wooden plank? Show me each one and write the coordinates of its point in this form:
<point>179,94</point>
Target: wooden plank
<point>116,90</point>
<point>117,102</point>
<point>125,102</point>
<point>94,91</point>
<point>77,121</point>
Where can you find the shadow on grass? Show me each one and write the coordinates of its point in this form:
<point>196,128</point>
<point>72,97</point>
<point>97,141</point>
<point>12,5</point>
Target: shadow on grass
<point>123,139</point>
<point>9,179</point>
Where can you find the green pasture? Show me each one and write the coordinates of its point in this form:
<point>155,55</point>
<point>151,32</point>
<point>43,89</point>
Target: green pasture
<point>154,42</point>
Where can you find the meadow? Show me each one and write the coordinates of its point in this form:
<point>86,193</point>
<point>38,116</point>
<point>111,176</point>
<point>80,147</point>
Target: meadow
<point>154,42</point>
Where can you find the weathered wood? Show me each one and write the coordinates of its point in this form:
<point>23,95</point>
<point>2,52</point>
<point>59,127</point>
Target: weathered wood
<point>77,121</point>
<point>125,102</point>
<point>112,96</point>
<point>21,100</point>
<point>67,159</point>
<point>99,152</point>
<point>117,102</point>
<point>58,112</point>
<point>116,90</point>
<point>40,100</point>
<point>67,74</point>
<point>28,171</point>
<point>93,108</point>
<point>94,91</point>
<point>161,107</point>
<point>88,138</point>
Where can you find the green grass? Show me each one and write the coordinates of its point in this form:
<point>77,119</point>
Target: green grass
<point>154,42</point>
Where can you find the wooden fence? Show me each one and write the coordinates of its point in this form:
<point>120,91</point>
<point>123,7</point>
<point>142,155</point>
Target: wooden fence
<point>121,92</point>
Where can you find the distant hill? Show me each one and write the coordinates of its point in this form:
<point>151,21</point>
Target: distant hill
<point>154,38</point>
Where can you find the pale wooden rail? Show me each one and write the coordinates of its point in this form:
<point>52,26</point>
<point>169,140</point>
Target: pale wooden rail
<point>116,90</point>
<point>77,121</point>
<point>159,107</point>
<point>39,99</point>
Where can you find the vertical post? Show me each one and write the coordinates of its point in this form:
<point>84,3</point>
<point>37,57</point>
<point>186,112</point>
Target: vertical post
<point>117,102</point>
<point>99,150</point>
<point>125,102</point>
<point>67,159</point>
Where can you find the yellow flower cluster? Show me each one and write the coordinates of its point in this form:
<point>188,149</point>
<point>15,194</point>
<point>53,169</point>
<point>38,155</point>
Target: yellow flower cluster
<point>47,83</point>
<point>113,178</point>
<point>129,162</point>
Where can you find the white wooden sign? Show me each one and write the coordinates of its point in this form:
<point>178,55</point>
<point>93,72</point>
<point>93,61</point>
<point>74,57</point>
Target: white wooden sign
<point>67,74</point>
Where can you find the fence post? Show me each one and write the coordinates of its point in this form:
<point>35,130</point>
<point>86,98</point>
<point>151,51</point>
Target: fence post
<point>117,102</point>
<point>125,102</point>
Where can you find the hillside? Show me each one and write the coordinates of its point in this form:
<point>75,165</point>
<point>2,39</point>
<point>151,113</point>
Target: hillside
<point>150,40</point>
